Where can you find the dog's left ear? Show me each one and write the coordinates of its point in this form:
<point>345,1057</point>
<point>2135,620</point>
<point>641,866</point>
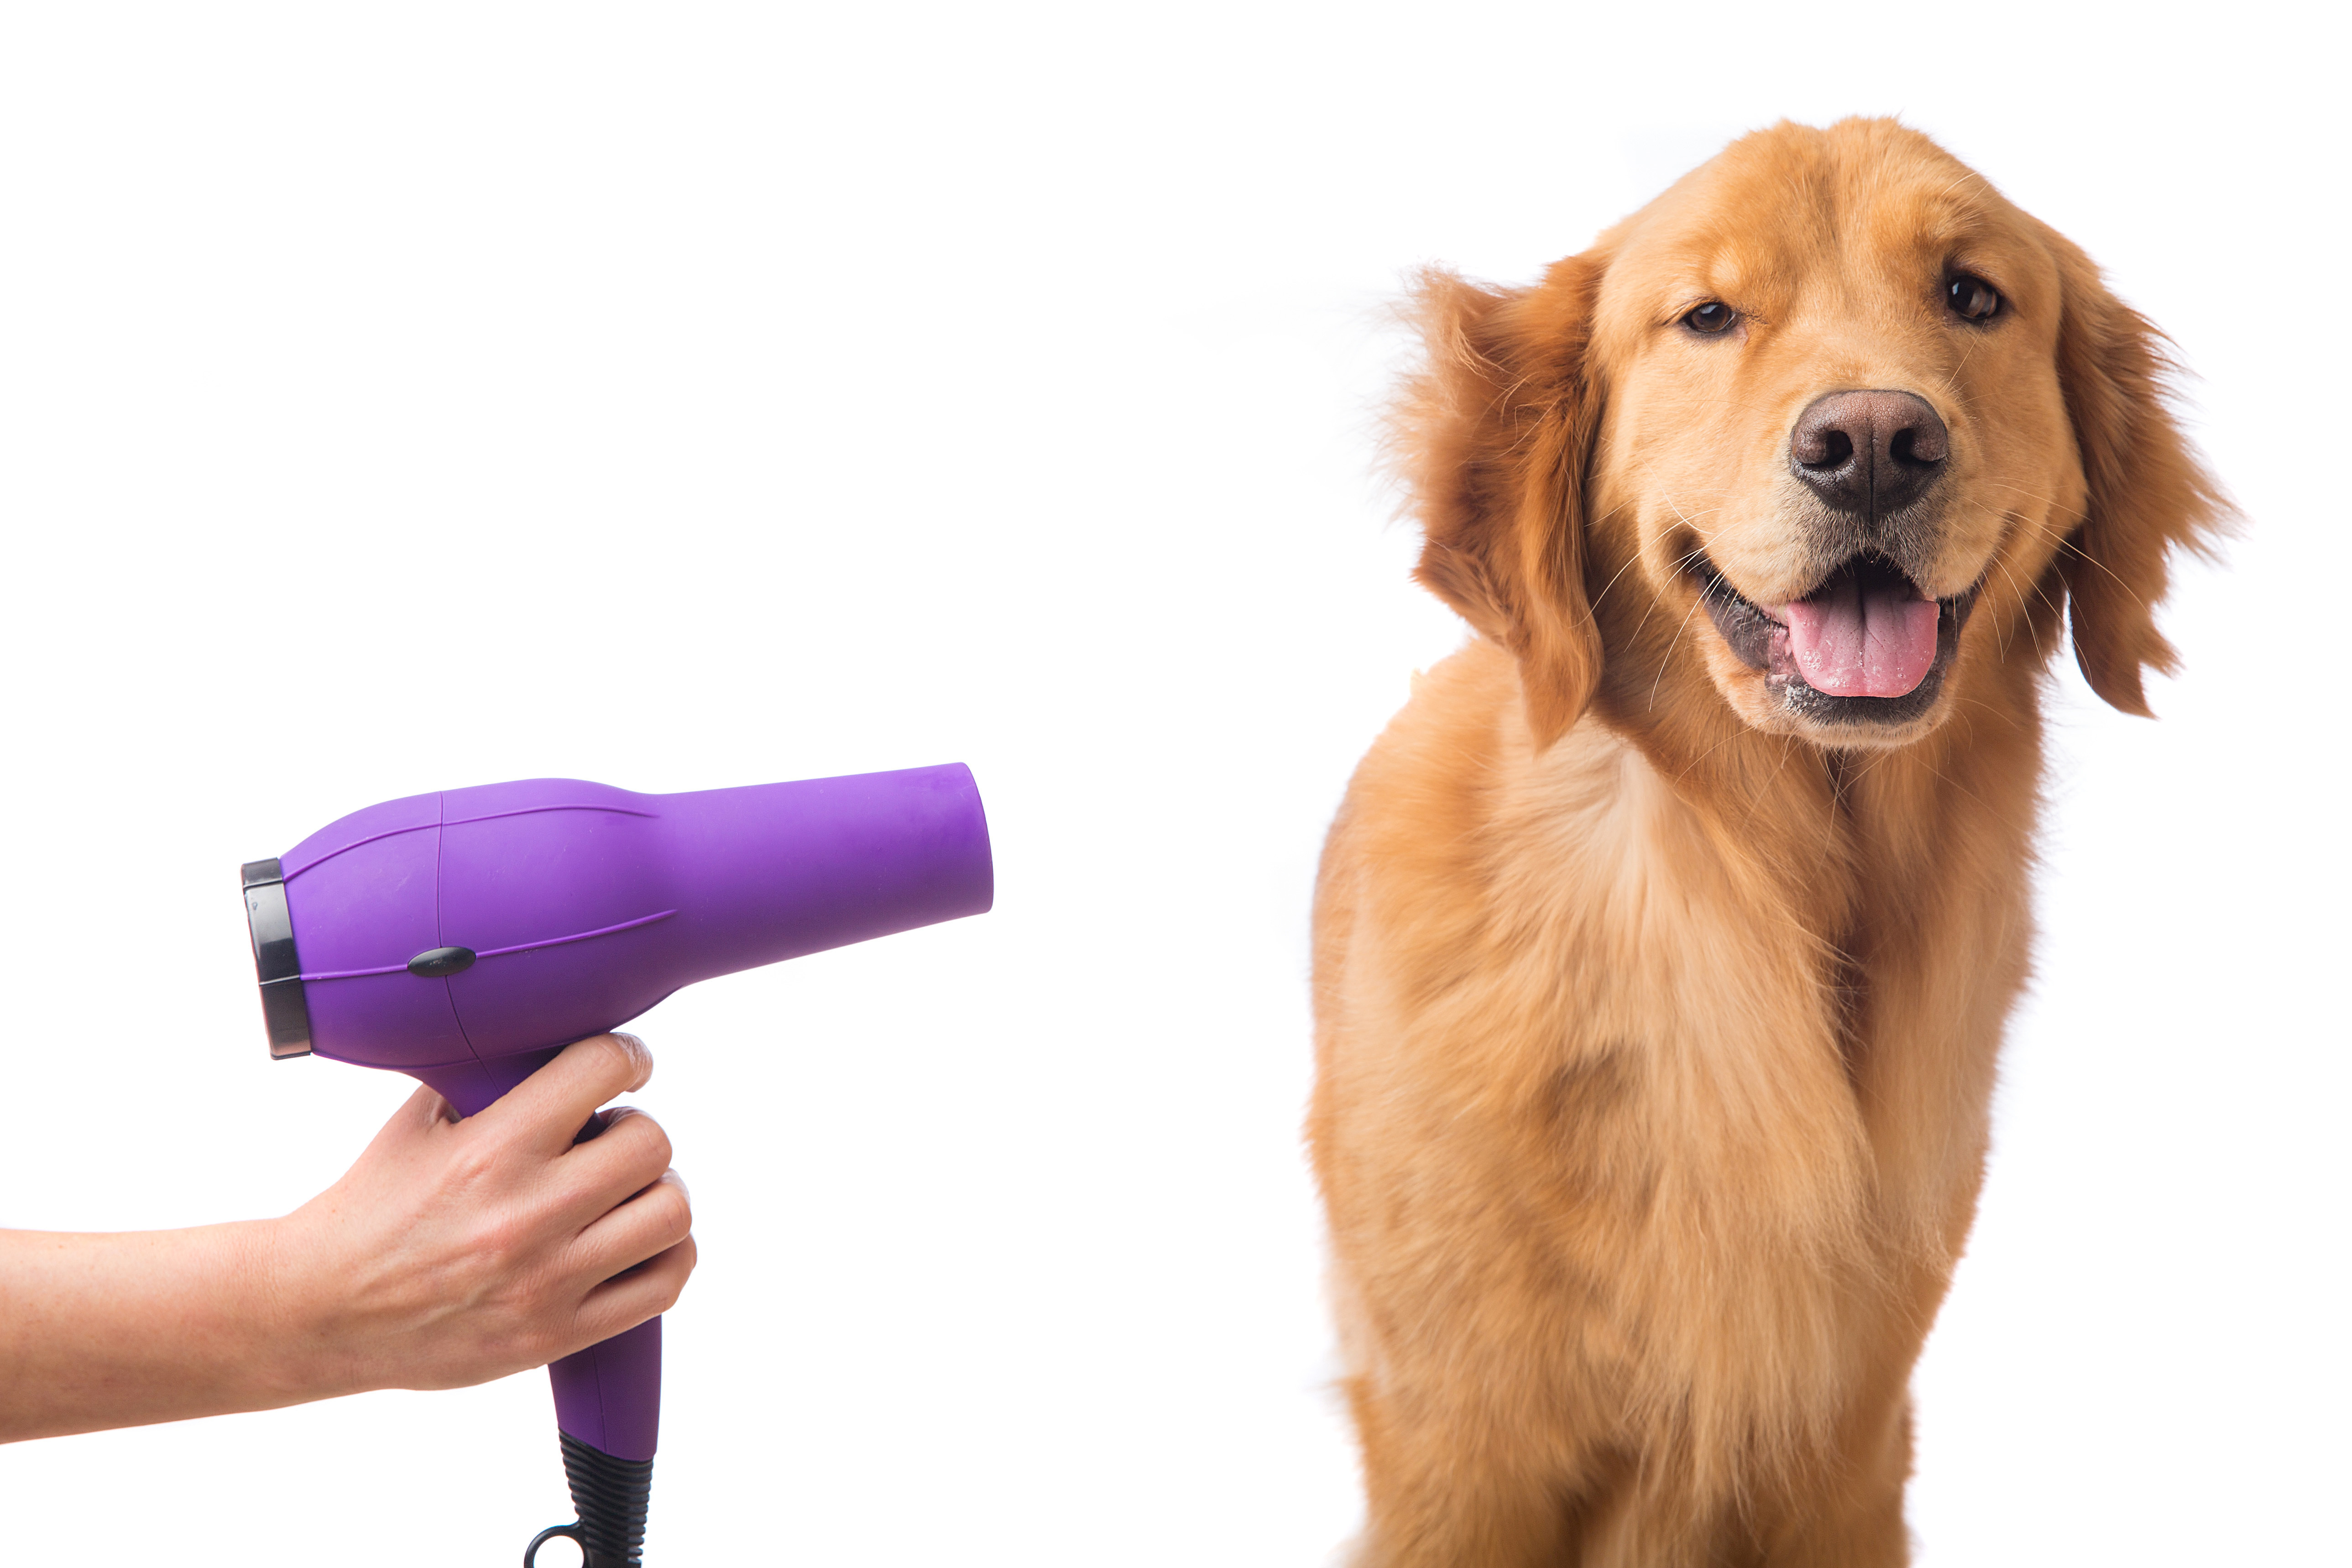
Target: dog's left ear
<point>2145,492</point>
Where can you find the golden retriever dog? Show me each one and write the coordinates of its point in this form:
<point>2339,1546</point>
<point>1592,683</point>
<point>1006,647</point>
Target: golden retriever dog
<point>1665,940</point>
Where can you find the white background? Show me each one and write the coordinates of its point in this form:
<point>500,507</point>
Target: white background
<point>682,397</point>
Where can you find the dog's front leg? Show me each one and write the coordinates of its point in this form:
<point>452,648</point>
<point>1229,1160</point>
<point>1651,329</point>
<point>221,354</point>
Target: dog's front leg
<point>1461,1488</point>
<point>1852,1517</point>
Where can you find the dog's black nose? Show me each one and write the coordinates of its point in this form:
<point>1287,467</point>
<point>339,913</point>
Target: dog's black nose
<point>1869,452</point>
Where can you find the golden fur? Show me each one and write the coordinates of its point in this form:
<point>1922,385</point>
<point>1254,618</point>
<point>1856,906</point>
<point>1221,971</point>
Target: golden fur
<point>1656,1021</point>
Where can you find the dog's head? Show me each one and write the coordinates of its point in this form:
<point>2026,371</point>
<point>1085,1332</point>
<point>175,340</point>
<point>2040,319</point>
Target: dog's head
<point>1807,418</point>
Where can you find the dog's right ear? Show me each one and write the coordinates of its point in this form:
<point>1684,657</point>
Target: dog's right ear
<point>1492,437</point>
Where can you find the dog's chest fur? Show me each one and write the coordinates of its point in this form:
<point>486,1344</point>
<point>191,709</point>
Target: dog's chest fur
<point>1651,1095</point>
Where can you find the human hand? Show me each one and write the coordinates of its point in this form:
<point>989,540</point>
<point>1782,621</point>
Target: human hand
<point>457,1251</point>
<point>453,1252</point>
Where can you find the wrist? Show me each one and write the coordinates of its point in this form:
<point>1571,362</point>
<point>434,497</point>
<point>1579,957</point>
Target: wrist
<point>283,1305</point>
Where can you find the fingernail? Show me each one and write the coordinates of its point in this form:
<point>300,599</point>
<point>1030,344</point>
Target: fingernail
<point>637,1051</point>
<point>671,1175</point>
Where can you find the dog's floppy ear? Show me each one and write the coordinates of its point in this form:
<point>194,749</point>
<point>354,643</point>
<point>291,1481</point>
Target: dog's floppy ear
<point>1492,437</point>
<point>2145,493</point>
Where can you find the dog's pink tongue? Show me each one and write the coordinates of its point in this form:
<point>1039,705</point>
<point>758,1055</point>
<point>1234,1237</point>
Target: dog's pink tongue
<point>1852,642</point>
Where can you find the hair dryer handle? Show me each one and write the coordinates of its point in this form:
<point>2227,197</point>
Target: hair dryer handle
<point>608,1396</point>
<point>607,1407</point>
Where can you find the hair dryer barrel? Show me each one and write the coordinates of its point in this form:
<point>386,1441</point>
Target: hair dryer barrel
<point>441,931</point>
<point>778,871</point>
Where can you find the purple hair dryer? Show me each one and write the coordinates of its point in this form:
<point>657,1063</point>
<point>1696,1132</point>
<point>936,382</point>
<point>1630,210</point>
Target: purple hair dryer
<point>464,938</point>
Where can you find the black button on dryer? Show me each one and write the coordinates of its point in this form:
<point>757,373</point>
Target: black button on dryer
<point>435,961</point>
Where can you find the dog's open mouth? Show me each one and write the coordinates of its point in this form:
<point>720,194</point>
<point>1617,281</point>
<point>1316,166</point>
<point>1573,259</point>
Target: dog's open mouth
<point>1866,645</point>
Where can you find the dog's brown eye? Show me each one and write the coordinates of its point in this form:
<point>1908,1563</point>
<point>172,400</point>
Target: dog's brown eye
<point>1714,316</point>
<point>1971,298</point>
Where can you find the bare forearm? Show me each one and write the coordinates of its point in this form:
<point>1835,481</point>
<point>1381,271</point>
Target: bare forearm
<point>122,1329</point>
